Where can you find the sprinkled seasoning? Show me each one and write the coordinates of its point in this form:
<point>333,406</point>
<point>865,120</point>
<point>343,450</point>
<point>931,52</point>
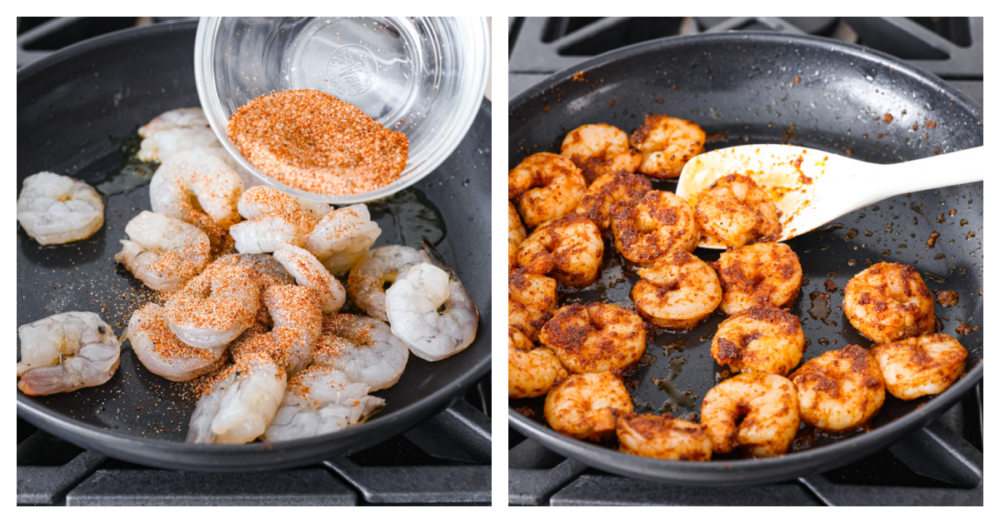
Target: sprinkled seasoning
<point>315,142</point>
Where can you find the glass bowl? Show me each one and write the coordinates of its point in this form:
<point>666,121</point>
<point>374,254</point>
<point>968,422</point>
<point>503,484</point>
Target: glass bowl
<point>422,76</point>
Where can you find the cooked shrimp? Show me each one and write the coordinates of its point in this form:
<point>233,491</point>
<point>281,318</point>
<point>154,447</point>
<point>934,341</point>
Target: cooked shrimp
<point>600,149</point>
<point>764,339</point>
<point>667,144</point>
<point>56,209</point>
<point>162,251</point>
<point>162,353</point>
<point>888,302</point>
<point>531,302</point>
<point>663,437</point>
<point>364,349</point>
<point>515,235</point>
<point>758,274</point>
<point>677,292</point>
<point>758,413</point>
<point>66,352</point>
<point>545,187</point>
<point>343,237</point>
<point>648,228</point>
<point>585,406</point>
<point>569,249</point>
<point>380,266</point>
<point>839,390</point>
<point>177,131</point>
<point>214,307</point>
<point>608,190</point>
<point>920,366</point>
<point>735,211</point>
<point>309,272</point>
<point>595,337</point>
<point>531,371</point>
<point>320,400</point>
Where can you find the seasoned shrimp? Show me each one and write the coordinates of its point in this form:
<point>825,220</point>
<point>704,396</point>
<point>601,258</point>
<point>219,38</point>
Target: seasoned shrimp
<point>56,209</point>
<point>758,274</point>
<point>595,337</point>
<point>677,292</point>
<point>162,251</point>
<point>380,266</point>
<point>531,371</point>
<point>600,149</point>
<point>515,235</point>
<point>364,349</point>
<point>648,228</point>
<point>839,390</point>
<point>531,302</point>
<point>569,249</point>
<point>176,131</point>
<point>545,187</point>
<point>260,201</point>
<point>920,366</point>
<point>667,144</point>
<point>214,307</point>
<point>888,302</point>
<point>309,272</point>
<point>162,353</point>
<point>585,406</point>
<point>270,233</point>
<point>343,237</point>
<point>269,271</point>
<point>320,400</point>
<point>66,352</point>
<point>663,437</point>
<point>758,413</point>
<point>735,211</point>
<point>764,339</point>
<point>298,322</point>
<point>608,190</point>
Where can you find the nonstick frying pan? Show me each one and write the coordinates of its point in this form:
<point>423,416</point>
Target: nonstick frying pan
<point>75,110</point>
<point>767,88</point>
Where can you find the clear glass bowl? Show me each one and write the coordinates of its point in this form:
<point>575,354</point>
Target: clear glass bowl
<point>424,77</point>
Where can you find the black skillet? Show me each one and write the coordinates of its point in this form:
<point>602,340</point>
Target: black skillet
<point>766,88</point>
<point>75,109</point>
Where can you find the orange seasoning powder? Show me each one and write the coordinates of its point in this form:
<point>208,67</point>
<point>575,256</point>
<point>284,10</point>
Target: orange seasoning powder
<point>315,142</point>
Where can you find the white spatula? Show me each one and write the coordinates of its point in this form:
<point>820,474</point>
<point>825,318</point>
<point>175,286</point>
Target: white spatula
<point>812,187</point>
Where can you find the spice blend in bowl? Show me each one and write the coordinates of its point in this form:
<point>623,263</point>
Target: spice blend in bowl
<point>314,142</point>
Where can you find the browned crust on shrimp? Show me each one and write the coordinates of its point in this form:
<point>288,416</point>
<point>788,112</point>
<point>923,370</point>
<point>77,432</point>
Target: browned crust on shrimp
<point>608,190</point>
<point>595,337</point>
<point>648,228</point>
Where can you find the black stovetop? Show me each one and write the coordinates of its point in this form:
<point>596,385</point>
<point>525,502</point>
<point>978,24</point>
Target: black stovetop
<point>939,465</point>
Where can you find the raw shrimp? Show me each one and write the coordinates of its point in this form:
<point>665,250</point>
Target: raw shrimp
<point>677,292</point>
<point>545,187</point>
<point>608,190</point>
<point>920,366</point>
<point>320,400</point>
<point>66,352</point>
<point>663,437</point>
<point>839,390</point>
<point>260,201</point>
<point>888,302</point>
<point>595,337</point>
<point>162,353</point>
<point>56,209</point>
<point>531,371</point>
<point>162,251</point>
<point>648,228</point>
<point>667,144</point>
<point>569,249</point>
<point>531,302</point>
<point>758,413</point>
<point>735,211</point>
<point>214,307</point>
<point>515,235</point>
<point>343,237</point>
<point>585,406</point>
<point>378,267</point>
<point>759,274</point>
<point>298,322</point>
<point>177,131</point>
<point>600,149</point>
<point>362,348</point>
<point>270,233</point>
<point>764,339</point>
<point>309,272</point>
<point>269,271</point>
